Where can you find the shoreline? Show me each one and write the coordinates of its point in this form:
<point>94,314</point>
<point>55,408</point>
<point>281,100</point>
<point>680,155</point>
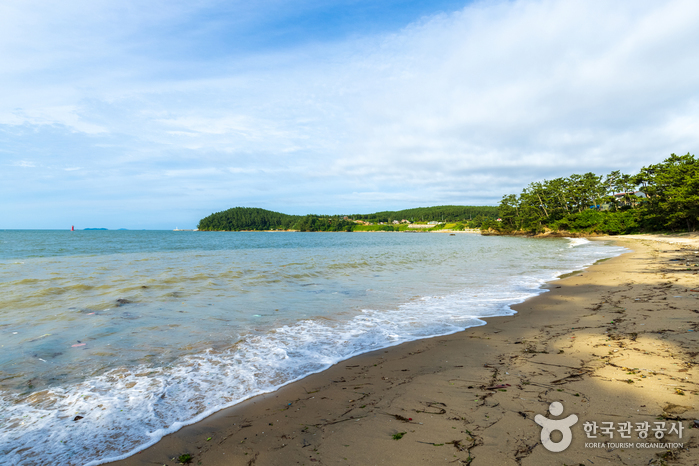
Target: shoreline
<point>415,230</point>
<point>442,392</point>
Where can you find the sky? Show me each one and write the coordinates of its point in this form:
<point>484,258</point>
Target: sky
<point>153,115</point>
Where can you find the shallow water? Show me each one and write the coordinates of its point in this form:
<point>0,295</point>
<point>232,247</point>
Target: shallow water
<point>140,332</point>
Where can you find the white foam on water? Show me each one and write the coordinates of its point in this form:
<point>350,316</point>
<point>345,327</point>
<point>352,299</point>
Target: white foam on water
<point>128,409</point>
<point>577,242</point>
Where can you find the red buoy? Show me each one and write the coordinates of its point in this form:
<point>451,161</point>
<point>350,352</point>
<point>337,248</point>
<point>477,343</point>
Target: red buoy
<point>72,228</point>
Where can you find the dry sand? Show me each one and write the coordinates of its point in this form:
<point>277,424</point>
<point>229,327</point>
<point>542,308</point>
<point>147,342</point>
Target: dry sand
<point>615,343</point>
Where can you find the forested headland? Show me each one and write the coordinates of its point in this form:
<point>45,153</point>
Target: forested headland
<point>247,218</point>
<point>251,218</point>
<point>661,197</point>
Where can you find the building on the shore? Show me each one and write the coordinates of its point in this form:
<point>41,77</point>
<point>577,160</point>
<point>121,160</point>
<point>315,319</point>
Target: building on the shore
<point>631,199</point>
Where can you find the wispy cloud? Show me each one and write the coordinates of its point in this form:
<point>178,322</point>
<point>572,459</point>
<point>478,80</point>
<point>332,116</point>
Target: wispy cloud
<point>24,164</point>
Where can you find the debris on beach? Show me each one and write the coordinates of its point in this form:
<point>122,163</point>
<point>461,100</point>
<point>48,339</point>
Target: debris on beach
<point>399,417</point>
<point>495,387</point>
<point>672,408</point>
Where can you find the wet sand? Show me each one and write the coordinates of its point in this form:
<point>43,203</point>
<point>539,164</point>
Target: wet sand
<point>615,343</point>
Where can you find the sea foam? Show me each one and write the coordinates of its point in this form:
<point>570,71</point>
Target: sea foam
<point>124,410</point>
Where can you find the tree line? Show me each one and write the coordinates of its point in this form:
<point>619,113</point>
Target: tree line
<point>247,218</point>
<point>444,213</point>
<point>252,218</point>
<point>663,196</point>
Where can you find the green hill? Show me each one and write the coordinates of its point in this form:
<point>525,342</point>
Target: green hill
<point>251,218</point>
<point>247,218</point>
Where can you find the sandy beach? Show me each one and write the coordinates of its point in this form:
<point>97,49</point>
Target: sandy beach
<point>615,343</point>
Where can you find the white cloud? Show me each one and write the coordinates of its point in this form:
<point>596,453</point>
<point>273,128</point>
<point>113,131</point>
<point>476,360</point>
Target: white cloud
<point>64,115</point>
<point>25,164</point>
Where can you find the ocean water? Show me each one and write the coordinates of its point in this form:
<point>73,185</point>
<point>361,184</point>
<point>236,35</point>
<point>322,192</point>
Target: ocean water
<point>112,339</point>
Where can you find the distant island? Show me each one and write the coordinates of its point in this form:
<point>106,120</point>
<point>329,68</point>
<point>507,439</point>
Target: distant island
<point>419,219</point>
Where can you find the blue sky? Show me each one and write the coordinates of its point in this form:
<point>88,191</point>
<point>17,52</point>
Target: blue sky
<point>155,114</point>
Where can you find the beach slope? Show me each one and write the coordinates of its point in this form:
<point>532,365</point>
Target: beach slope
<point>615,343</point>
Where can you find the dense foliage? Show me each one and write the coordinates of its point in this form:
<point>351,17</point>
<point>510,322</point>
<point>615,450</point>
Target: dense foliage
<point>660,197</point>
<point>249,218</point>
<point>323,223</point>
<point>444,213</point>
<point>672,188</point>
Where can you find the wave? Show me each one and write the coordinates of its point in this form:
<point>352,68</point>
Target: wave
<point>123,411</point>
<point>577,242</point>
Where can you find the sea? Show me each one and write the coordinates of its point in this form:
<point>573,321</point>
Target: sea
<point>109,340</point>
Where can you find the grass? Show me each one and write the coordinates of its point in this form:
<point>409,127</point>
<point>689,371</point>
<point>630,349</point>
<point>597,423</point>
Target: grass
<point>370,227</point>
<point>399,435</point>
<point>405,227</point>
